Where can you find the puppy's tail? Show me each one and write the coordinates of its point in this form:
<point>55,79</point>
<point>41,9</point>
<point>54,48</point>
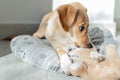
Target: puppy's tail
<point>42,28</point>
<point>111,51</point>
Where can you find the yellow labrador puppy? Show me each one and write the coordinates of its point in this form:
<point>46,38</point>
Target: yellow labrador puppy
<point>89,69</point>
<point>66,28</point>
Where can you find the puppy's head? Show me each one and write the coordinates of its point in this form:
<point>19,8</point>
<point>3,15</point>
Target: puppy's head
<point>74,20</point>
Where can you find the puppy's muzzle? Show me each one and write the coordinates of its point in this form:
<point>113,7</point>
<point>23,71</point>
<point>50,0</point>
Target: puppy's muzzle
<point>90,45</point>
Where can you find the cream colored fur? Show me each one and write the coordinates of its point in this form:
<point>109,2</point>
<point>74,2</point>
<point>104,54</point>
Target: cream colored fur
<point>65,28</point>
<point>85,67</point>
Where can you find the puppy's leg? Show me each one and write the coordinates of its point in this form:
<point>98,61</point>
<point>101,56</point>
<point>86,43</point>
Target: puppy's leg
<point>97,56</point>
<point>42,28</point>
<point>40,32</point>
<point>65,61</point>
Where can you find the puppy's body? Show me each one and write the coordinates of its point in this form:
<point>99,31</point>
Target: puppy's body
<point>62,26</point>
<point>109,69</point>
<point>65,28</point>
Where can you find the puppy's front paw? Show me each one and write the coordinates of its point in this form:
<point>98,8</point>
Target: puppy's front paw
<point>97,56</point>
<point>65,63</point>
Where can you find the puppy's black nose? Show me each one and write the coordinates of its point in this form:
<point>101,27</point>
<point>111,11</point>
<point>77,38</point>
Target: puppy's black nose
<point>90,45</point>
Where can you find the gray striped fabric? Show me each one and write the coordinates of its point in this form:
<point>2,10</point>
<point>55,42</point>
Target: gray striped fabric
<point>40,53</point>
<point>36,52</point>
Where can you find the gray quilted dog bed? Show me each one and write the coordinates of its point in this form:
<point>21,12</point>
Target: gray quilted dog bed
<point>40,53</point>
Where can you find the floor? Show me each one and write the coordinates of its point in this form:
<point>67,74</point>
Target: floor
<point>4,48</point>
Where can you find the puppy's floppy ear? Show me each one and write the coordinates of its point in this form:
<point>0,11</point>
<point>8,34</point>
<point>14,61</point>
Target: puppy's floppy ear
<point>66,15</point>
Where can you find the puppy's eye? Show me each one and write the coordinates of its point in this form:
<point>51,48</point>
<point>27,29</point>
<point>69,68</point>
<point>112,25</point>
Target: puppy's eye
<point>82,28</point>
